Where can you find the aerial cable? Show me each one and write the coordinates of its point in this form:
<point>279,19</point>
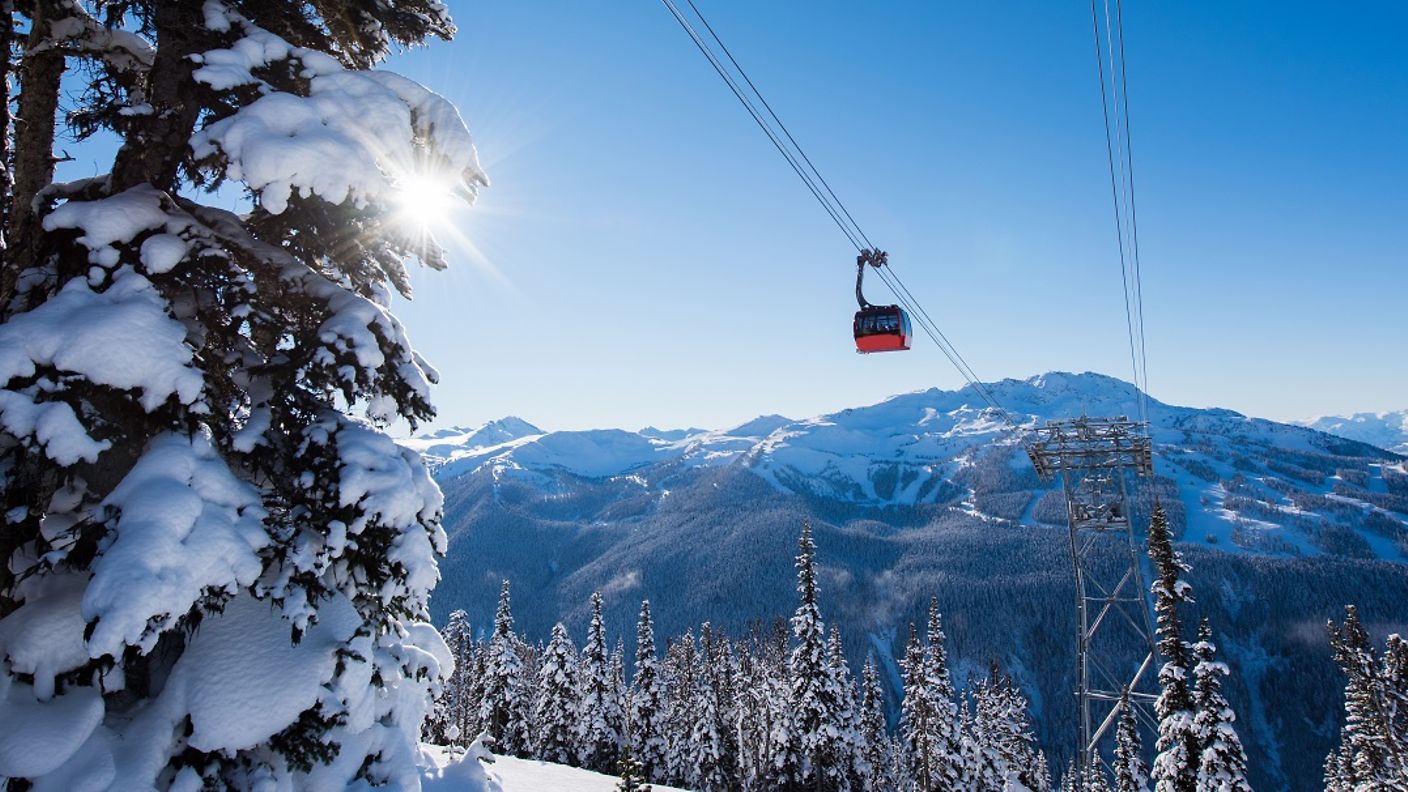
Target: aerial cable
<point>1120,158</point>
<point>821,190</point>
<point>855,239</point>
<point>781,125</point>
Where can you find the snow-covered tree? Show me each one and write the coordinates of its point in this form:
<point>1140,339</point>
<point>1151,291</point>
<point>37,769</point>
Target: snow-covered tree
<point>449,722</point>
<point>843,741</point>
<point>816,699</point>
<point>555,705</point>
<point>1131,773</point>
<point>633,777</point>
<point>647,710</point>
<point>1373,751</point>
<point>679,672</point>
<point>1222,764</point>
<point>213,573</point>
<point>1176,766</point>
<point>506,706</point>
<point>943,760</point>
<point>598,713</point>
<point>1003,732</point>
<point>871,759</point>
<point>706,738</point>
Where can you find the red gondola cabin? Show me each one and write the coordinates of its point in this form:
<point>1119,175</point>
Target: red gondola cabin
<point>882,328</point>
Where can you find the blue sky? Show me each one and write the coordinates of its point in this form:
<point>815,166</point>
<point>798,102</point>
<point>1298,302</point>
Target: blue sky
<point>645,257</point>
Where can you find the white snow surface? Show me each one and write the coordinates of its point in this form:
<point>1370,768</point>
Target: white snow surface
<point>358,135</point>
<point>1387,430</point>
<point>121,337</point>
<point>895,453</point>
<point>447,773</point>
<point>185,526</point>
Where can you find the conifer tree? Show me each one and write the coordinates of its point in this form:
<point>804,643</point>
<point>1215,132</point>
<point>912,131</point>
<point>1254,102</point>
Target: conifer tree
<point>648,705</point>
<point>633,778</point>
<point>916,719</point>
<point>944,760</point>
<point>679,671</point>
<point>1131,774</point>
<point>1222,764</point>
<point>1373,751</point>
<point>1095,780</point>
<point>447,722</point>
<point>555,704</point>
<point>1176,766</point>
<point>871,758</point>
<point>815,699</point>
<point>843,742</point>
<point>506,707</point>
<point>598,741</point>
<point>192,442</point>
<point>706,746</point>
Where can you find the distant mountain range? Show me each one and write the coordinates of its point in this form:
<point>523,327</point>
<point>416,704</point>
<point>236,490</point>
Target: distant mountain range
<point>927,493</point>
<point>1386,430</point>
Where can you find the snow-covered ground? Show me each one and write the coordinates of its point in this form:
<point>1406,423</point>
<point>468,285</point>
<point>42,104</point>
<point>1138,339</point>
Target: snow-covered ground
<point>513,775</point>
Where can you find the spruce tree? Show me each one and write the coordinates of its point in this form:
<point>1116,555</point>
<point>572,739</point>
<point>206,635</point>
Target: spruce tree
<point>598,741</point>
<point>555,706</point>
<point>706,745</point>
<point>633,777</point>
<point>1131,774</point>
<point>815,699</point>
<point>648,704</point>
<point>1222,764</point>
<point>871,758</point>
<point>944,761</point>
<point>193,462</point>
<point>916,719</point>
<point>843,742</point>
<point>505,709</point>
<point>1176,766</point>
<point>679,671</point>
<point>1373,751</point>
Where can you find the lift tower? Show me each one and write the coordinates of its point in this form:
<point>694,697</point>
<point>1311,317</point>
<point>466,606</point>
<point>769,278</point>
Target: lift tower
<point>1115,645</point>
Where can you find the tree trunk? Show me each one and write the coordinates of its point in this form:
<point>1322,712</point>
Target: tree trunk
<point>155,151</point>
<point>7,46</point>
<point>34,145</point>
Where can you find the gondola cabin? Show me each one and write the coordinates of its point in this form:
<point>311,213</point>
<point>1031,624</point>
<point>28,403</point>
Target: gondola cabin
<point>882,328</point>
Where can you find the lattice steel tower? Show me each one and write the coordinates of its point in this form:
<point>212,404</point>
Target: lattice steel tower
<point>1115,645</point>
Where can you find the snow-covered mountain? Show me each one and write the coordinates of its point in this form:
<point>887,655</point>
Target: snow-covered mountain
<point>1385,430</point>
<point>1244,483</point>
<point>928,494</point>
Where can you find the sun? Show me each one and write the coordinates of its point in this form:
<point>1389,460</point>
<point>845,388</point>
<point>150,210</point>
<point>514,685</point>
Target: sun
<point>424,202</point>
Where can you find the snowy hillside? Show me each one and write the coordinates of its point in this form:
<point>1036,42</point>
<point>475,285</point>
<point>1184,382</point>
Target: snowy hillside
<point>509,774</point>
<point>925,494</point>
<point>1243,483</point>
<point>1385,430</point>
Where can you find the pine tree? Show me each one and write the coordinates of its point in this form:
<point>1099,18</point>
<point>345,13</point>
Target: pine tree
<point>1176,766</point>
<point>648,705</point>
<point>447,721</point>
<point>1095,780</point>
<point>1004,733</point>
<point>944,759</point>
<point>179,449</point>
<point>555,707</point>
<point>706,747</point>
<point>633,776</point>
<point>1131,774</point>
<point>815,698</point>
<point>843,743</point>
<point>871,759</point>
<point>1222,765</point>
<point>1373,752</point>
<point>679,671</point>
<point>916,718</point>
<point>598,741</point>
<point>505,709</point>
